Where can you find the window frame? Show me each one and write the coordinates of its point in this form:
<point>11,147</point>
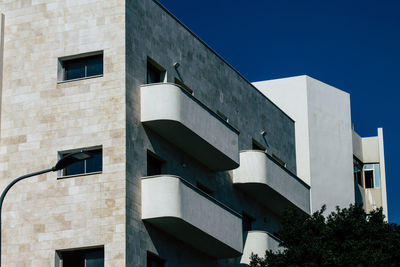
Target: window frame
<point>152,64</point>
<point>59,254</point>
<point>62,60</point>
<point>60,154</point>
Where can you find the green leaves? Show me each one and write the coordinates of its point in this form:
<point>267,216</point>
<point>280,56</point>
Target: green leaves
<point>346,237</point>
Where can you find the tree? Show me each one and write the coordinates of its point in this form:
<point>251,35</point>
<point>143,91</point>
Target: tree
<point>347,237</point>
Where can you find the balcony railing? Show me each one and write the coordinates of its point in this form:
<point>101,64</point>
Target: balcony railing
<point>190,215</point>
<point>273,185</point>
<point>179,117</point>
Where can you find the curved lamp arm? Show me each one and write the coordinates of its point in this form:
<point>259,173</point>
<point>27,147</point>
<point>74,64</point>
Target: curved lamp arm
<point>61,164</point>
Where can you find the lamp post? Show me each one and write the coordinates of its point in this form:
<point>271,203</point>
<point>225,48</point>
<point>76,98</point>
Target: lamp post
<point>61,164</point>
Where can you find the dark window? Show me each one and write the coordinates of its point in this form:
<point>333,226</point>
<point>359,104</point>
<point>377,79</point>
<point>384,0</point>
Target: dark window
<point>94,164</point>
<point>154,261</point>
<point>257,146</point>
<point>247,222</point>
<point>369,178</point>
<point>155,74</point>
<point>154,164</point>
<point>81,258</point>
<point>82,67</point>
<point>205,189</point>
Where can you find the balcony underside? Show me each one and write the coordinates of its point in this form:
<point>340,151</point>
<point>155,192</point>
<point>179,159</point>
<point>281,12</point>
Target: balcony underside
<point>184,121</point>
<point>191,143</point>
<point>189,234</point>
<point>271,184</point>
<point>267,197</point>
<point>178,208</point>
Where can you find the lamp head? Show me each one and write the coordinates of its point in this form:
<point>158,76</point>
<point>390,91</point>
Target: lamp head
<point>71,159</point>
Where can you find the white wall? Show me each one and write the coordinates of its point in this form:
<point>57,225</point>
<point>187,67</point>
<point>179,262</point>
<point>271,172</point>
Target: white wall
<point>324,153</point>
<point>331,151</point>
<point>284,92</point>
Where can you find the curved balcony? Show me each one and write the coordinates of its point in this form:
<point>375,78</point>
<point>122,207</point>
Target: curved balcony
<point>257,242</point>
<point>274,186</point>
<point>176,115</point>
<point>182,210</point>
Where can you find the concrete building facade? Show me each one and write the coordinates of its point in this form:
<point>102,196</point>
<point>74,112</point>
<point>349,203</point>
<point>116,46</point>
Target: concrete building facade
<point>339,165</point>
<point>191,164</point>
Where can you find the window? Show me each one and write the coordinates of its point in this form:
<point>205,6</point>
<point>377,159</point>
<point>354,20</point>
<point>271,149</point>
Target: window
<point>247,222</point>
<point>205,189</point>
<point>155,73</point>
<point>92,165</point>
<point>154,261</point>
<point>80,66</point>
<point>369,178</point>
<point>80,258</point>
<point>257,146</point>
<point>372,176</point>
<point>154,164</point>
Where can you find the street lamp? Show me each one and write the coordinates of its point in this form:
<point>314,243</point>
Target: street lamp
<point>61,164</point>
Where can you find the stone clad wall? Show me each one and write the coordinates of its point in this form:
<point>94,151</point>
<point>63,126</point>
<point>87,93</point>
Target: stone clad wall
<point>40,117</point>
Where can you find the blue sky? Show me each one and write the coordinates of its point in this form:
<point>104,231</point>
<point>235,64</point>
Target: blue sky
<point>352,45</point>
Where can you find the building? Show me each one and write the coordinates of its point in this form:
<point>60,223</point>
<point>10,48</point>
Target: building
<point>192,165</point>
<point>329,153</point>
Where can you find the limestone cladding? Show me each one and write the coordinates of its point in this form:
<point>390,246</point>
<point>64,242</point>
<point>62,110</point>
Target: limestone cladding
<point>40,117</point>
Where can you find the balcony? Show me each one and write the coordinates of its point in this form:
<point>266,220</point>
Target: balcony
<point>176,115</point>
<point>190,215</point>
<point>257,242</point>
<point>273,185</point>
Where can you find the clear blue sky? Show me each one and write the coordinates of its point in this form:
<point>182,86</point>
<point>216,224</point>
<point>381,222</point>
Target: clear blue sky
<point>352,45</point>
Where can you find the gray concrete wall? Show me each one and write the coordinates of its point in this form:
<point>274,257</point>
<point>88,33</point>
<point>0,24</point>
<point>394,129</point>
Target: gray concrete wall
<point>40,117</point>
<point>151,32</point>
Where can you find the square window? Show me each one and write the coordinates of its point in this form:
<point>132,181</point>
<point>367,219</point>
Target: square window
<point>80,66</point>
<point>93,257</point>
<point>91,165</point>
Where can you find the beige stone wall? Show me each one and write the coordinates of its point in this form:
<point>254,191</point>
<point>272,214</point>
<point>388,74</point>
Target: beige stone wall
<point>40,117</point>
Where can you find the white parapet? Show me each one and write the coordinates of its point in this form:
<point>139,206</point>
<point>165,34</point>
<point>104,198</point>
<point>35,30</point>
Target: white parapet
<point>182,210</point>
<point>270,183</point>
<point>257,242</point>
<point>184,121</point>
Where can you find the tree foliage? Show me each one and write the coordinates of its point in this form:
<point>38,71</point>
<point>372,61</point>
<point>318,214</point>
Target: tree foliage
<point>347,237</point>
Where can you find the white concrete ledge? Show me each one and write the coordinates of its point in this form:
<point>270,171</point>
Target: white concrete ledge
<point>270,183</point>
<point>180,209</point>
<point>257,242</point>
<point>184,121</point>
